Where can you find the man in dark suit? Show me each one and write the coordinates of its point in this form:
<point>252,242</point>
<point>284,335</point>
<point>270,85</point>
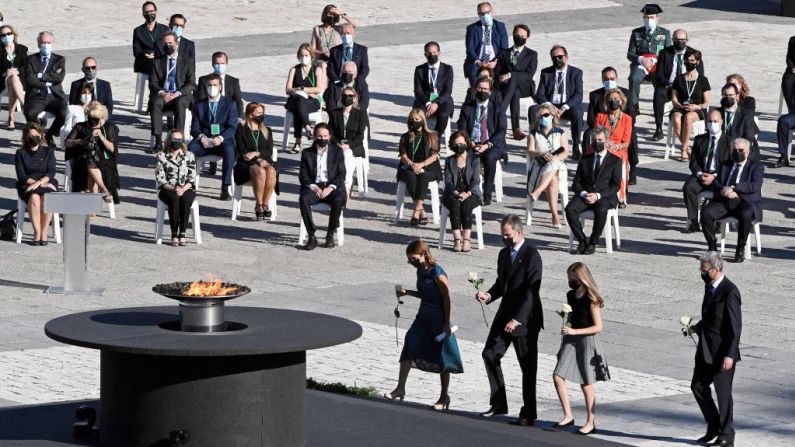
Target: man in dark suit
<point>213,129</point>
<point>710,151</point>
<point>170,88</point>
<point>44,73</point>
<point>516,67</point>
<point>645,45</point>
<point>433,88</point>
<point>738,122</point>
<point>484,121</point>
<point>561,86</point>
<point>737,193</point>
<point>518,319</point>
<point>595,188</point>
<point>333,93</point>
<point>185,46</point>
<point>484,41</point>
<point>101,88</point>
<point>230,85</point>
<point>147,40</point>
<point>718,350</point>
<point>322,179</point>
<point>670,64</point>
<point>348,51</point>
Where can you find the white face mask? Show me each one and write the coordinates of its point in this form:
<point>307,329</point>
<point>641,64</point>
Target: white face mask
<point>713,128</point>
<point>610,84</point>
<point>305,60</point>
<point>213,91</point>
<point>85,99</point>
<point>651,24</point>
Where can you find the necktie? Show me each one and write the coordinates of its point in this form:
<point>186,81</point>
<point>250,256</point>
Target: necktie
<point>728,122</point>
<point>513,255</point>
<point>597,164</point>
<point>213,108</point>
<point>733,176</point>
<point>44,62</point>
<point>558,82</point>
<point>710,154</point>
<point>170,75</point>
<point>680,63</point>
<point>487,35</point>
<point>348,54</point>
<point>514,57</point>
<point>433,78</point>
<point>484,128</point>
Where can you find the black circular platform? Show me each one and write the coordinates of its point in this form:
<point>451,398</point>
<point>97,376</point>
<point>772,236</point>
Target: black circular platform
<point>243,387</point>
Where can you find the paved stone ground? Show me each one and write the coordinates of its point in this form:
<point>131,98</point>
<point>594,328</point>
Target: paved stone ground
<point>649,283</point>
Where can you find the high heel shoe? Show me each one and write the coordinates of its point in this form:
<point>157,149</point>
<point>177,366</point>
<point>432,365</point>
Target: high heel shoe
<point>266,212</point>
<point>586,433</point>
<point>258,211</point>
<point>445,404</point>
<point>391,396</point>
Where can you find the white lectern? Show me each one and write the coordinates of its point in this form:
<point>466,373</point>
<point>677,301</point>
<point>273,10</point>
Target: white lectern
<point>75,209</point>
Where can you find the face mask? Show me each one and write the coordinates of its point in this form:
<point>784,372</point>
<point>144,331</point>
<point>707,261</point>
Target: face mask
<point>416,262</point>
<point>713,128</point>
<point>347,39</point>
<point>259,119</point>
<point>347,78</point>
<point>219,69</point>
<point>331,19</point>
<point>212,91</point>
<point>600,146</point>
<point>150,17</point>
<point>738,156</point>
<point>610,84</point>
<point>177,30</point>
<point>545,121</point>
<point>415,125</point>
<point>519,40</point>
<point>558,63</point>
<point>305,60</point>
<point>8,39</point>
<point>85,99</point>
<point>90,74</point>
<point>689,66</point>
<point>45,49</point>
<point>574,284</point>
<point>346,100</point>
<point>176,143</point>
<point>680,46</point>
<point>705,277</point>
<point>322,142</point>
<point>650,24</point>
<point>92,121</point>
<point>507,241</point>
<point>614,104</point>
<point>432,59</point>
<point>486,19</point>
<point>727,102</point>
<point>35,140</point>
<point>482,96</point>
<point>169,49</point>
<point>460,148</point>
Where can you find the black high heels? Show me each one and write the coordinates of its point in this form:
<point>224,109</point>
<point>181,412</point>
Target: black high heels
<point>258,211</point>
<point>445,404</point>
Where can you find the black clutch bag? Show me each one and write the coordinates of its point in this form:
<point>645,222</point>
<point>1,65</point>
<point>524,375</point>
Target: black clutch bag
<point>555,153</point>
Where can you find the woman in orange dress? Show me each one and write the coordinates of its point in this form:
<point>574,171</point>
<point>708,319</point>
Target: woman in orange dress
<point>619,125</point>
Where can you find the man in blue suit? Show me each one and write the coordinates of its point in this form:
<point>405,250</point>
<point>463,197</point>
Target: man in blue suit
<point>485,122</point>
<point>101,88</point>
<point>348,51</point>
<point>213,129</point>
<point>561,86</point>
<point>738,193</point>
<point>484,41</point>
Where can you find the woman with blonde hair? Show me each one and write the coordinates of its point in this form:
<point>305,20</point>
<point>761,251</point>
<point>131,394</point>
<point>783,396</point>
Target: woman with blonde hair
<point>254,145</point>
<point>547,150</point>
<point>419,162</point>
<point>306,83</point>
<point>430,344</point>
<point>619,126</point>
<point>12,60</point>
<point>175,173</point>
<point>91,146</point>
<point>580,358</point>
<point>746,100</point>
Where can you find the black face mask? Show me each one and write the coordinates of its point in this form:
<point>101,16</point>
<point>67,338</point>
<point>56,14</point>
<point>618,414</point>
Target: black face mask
<point>176,143</point>
<point>416,263</point>
<point>689,66</point>
<point>738,156</point>
<point>558,63</point>
<point>330,19</point>
<point>574,284</point>
<point>460,149</point>
<point>169,49</point>
<point>482,96</point>
<point>432,58</point>
<point>614,104</point>
<point>92,122</point>
<point>322,142</point>
<point>150,17</point>
<point>599,146</point>
<point>259,119</point>
<point>679,46</point>
<point>508,242</point>
<point>727,102</point>
<point>519,40</point>
<point>415,125</point>
<point>705,277</point>
<point>346,100</point>
<point>347,78</point>
<point>35,140</point>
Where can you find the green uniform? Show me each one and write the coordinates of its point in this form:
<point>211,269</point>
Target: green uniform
<point>641,42</point>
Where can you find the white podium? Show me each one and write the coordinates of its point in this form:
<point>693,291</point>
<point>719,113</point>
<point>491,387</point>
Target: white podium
<point>75,209</point>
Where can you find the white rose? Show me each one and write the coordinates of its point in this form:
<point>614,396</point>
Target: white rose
<point>473,276</point>
<point>685,321</point>
<point>566,309</point>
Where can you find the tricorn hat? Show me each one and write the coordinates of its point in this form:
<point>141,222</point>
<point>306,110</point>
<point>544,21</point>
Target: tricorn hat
<point>651,8</point>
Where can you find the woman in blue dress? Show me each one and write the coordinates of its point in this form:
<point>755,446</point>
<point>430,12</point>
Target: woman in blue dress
<point>421,349</point>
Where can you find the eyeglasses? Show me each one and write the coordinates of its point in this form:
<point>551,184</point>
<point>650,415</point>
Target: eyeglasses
<point>90,67</point>
<point>484,12</point>
<point>559,56</point>
<point>546,115</point>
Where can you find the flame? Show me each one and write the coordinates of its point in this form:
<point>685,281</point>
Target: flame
<point>213,287</point>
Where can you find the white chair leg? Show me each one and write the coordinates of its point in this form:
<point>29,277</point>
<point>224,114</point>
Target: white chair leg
<point>528,207</point>
<point>400,195</point>
<point>361,176</point>
<point>112,210</point>
<point>288,122</point>
<point>435,201</point>
<point>479,226</point>
<point>302,233</point>
<point>669,140</point>
<point>196,226</point>
<point>498,181</point>
<point>607,233</point>
<point>56,227</point>
<point>724,228</point>
<point>341,230</point>
<point>237,199</point>
<point>272,206</point>
<point>443,226</point>
<point>160,217</point>
<point>747,246</point>
<point>617,229</point>
<point>758,234</point>
<point>21,208</point>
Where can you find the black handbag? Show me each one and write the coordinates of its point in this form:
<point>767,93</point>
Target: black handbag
<point>8,226</point>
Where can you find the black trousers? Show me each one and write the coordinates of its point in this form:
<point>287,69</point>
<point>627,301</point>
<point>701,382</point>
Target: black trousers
<point>35,104</point>
<point>177,105</point>
<point>691,189</point>
<point>460,212</point>
<point>574,115</point>
<point>178,208</point>
<point>662,94</point>
<point>489,160</point>
<point>721,207</point>
<point>442,116</point>
<point>526,353</point>
<point>336,200</point>
<point>510,99</point>
<point>719,418</point>
<point>788,89</point>
<point>301,108</point>
<point>416,184</point>
<point>600,208</point>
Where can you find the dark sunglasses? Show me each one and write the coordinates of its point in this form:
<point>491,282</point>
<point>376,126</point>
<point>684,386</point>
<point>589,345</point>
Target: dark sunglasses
<point>546,115</point>
<point>559,57</point>
<point>90,67</point>
<point>6,34</point>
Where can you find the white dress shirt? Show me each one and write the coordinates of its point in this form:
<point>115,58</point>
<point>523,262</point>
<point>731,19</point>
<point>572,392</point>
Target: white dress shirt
<point>322,166</point>
<point>487,49</point>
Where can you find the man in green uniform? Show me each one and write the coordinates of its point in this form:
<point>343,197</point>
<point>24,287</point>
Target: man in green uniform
<point>645,44</point>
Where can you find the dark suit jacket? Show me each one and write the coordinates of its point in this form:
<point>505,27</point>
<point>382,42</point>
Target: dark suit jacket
<point>333,93</point>
<point>474,39</point>
<point>423,87</point>
<point>20,56</point>
<point>519,286</point>
<point>54,74</point>
<point>187,48</point>
<point>143,43</point>
<point>606,183</point>
<point>546,86</point>
<point>791,53</point>
<point>748,187</point>
<point>742,126</point>
<point>522,73</point>
<point>359,56</point>
<point>226,117</point>
<point>231,91</point>
<point>471,173</point>
<point>186,76</point>
<point>104,94</point>
<point>721,324</point>
<point>496,122</point>
<point>596,104</point>
<point>665,64</point>
<point>354,130</point>
<point>700,147</point>
<point>336,166</point>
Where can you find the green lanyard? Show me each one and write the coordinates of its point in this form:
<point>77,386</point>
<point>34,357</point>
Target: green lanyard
<point>213,112</point>
<point>255,137</point>
<point>311,77</point>
<point>416,146</point>
<point>329,37</point>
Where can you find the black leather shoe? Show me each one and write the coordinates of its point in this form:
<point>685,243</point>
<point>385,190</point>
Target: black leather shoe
<point>225,193</point>
<point>591,249</point>
<point>492,412</point>
<point>158,147</point>
<point>633,179</point>
<point>707,438</point>
<point>658,135</point>
<point>782,162</point>
<point>694,227</point>
<point>311,244</point>
<point>739,256</point>
<point>486,199</point>
<point>330,242</point>
<point>213,168</point>
<point>723,442</point>
<point>581,248</point>
<point>712,246</point>
<point>523,422</point>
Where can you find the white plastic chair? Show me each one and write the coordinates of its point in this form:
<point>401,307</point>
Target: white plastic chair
<point>314,119</point>
<point>400,197</point>
<point>161,217</point>
<point>55,222</point>
<point>237,194</point>
<point>791,143</point>
<point>141,85</point>
<point>358,166</point>
<point>699,127</point>
<point>185,130</point>
<point>303,235</point>
<point>612,222</point>
<point>563,193</point>
<point>725,230</point>
<point>703,196</point>
<point>498,191</point>
<point>200,161</point>
<point>478,212</point>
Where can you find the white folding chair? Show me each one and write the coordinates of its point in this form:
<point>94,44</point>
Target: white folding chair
<point>200,161</point>
<point>169,115</point>
<point>303,235</point>
<point>612,223</point>
<point>141,85</point>
<point>237,194</point>
<point>161,217</point>
<point>314,119</point>
<point>725,229</point>
<point>400,197</point>
<point>478,212</point>
<point>55,222</point>
<point>699,127</point>
<point>444,138</point>
<point>791,143</point>
<point>563,193</point>
<point>498,191</point>
<point>703,196</point>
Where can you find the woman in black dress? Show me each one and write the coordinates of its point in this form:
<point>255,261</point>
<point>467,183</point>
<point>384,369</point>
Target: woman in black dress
<point>91,146</point>
<point>348,126</point>
<point>305,86</point>
<point>254,143</point>
<point>690,96</point>
<point>35,166</point>
<point>419,162</point>
<point>461,188</point>
<point>12,59</point>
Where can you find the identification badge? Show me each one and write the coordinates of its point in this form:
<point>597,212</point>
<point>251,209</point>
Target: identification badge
<point>660,48</point>
<point>434,96</point>
<point>215,129</point>
<point>557,99</point>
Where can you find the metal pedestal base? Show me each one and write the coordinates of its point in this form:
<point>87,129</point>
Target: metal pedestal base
<point>63,291</point>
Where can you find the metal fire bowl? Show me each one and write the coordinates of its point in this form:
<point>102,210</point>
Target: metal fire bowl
<point>176,291</point>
